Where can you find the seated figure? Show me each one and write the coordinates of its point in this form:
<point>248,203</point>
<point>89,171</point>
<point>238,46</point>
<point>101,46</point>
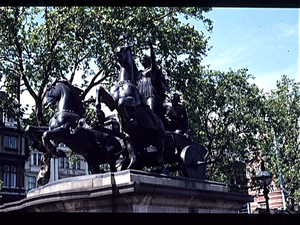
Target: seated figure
<point>176,115</point>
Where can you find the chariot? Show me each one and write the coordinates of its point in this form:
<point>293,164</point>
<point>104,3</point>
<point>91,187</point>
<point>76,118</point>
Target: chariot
<point>181,153</point>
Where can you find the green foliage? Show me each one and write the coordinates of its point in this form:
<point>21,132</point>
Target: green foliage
<point>11,108</point>
<point>282,142</point>
<point>225,114</point>
<point>228,114</point>
<point>73,158</point>
<point>90,112</point>
<point>77,43</point>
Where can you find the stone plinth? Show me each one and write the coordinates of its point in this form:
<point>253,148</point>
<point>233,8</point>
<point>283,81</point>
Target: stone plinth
<point>130,191</point>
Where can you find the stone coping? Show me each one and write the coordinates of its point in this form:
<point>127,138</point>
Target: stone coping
<point>128,189</point>
<point>124,177</point>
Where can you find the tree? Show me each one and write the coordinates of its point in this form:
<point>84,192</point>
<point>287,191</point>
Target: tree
<point>226,115</point>
<point>41,44</point>
<point>282,142</point>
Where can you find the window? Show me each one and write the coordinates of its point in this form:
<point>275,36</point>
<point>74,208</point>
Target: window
<point>39,159</point>
<point>62,162</point>
<point>78,165</point>
<point>10,176</point>
<point>36,159</point>
<point>31,183</point>
<point>67,162</point>
<point>10,142</point>
<point>6,176</point>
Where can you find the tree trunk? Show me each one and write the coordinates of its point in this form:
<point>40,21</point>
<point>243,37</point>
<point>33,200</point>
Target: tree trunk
<point>39,113</point>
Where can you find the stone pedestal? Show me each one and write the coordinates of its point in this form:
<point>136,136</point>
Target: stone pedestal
<point>130,191</point>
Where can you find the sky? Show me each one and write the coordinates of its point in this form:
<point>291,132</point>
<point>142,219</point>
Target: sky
<point>264,40</point>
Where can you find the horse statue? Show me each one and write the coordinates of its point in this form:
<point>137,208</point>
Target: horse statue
<point>69,127</point>
<point>142,126</point>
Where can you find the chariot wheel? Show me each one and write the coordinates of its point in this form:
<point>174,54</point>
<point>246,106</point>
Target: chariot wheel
<point>192,162</point>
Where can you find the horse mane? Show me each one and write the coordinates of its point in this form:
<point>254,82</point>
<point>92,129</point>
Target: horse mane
<point>77,92</point>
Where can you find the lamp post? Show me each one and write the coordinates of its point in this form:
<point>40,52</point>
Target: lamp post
<point>265,179</point>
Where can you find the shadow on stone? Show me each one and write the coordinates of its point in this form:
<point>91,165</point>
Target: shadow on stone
<point>130,191</point>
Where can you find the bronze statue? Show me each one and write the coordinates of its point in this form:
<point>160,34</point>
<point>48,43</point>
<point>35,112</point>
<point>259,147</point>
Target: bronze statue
<point>155,91</point>
<point>142,126</point>
<point>152,85</point>
<point>68,126</point>
<point>177,118</point>
<point>142,103</point>
<point>145,134</point>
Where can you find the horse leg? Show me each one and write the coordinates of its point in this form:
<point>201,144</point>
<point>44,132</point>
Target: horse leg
<point>52,135</point>
<point>106,98</point>
<point>125,162</point>
<point>113,151</point>
<point>160,157</point>
<point>30,130</point>
<point>44,173</point>
<point>161,138</point>
<point>92,164</point>
<point>112,163</point>
<point>131,152</point>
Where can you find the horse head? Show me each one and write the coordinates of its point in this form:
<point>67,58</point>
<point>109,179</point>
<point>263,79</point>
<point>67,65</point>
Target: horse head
<point>124,55</point>
<point>69,97</point>
<point>127,63</point>
<point>52,95</point>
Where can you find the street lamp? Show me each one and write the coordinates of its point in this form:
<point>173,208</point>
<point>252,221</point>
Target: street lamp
<point>265,179</point>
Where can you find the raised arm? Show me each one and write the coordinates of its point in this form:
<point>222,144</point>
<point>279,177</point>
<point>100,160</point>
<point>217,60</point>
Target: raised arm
<point>153,60</point>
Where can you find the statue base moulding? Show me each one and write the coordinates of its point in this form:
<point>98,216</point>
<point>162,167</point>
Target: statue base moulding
<point>130,191</point>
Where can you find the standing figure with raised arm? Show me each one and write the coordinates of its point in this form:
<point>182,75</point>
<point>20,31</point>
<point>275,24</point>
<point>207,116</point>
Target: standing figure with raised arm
<point>152,85</point>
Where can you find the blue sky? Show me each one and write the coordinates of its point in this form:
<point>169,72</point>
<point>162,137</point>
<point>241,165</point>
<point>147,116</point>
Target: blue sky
<point>264,40</point>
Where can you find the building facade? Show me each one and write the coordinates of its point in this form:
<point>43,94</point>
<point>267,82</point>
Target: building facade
<point>60,167</point>
<point>19,167</point>
<point>276,194</point>
<point>14,152</point>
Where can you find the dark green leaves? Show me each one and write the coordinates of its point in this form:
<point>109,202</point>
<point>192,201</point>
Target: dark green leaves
<point>283,112</point>
<point>78,43</point>
<point>225,115</point>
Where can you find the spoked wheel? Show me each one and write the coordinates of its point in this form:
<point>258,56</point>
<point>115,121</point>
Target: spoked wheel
<point>192,162</point>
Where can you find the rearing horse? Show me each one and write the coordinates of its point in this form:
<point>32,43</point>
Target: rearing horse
<point>68,126</point>
<point>143,127</point>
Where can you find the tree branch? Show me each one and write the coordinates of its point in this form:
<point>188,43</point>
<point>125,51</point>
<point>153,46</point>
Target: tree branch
<point>55,40</point>
<point>20,63</point>
<point>77,64</point>
<point>14,71</point>
<point>171,11</point>
<point>9,60</point>
<point>93,82</point>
